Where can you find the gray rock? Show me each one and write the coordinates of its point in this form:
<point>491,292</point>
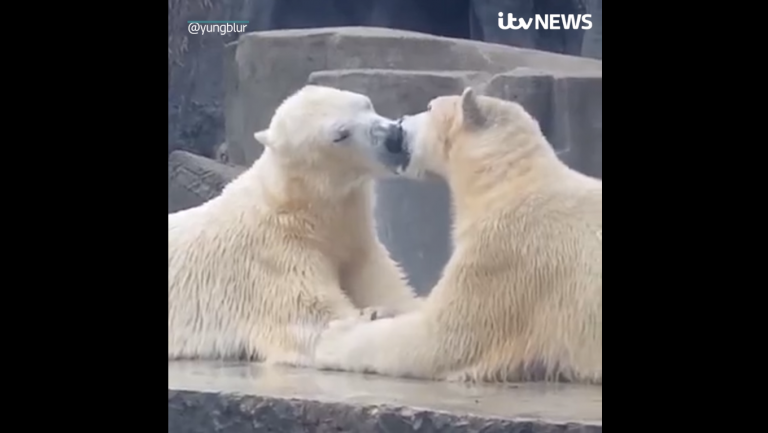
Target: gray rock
<point>208,412</point>
<point>193,179</point>
<point>396,92</point>
<point>263,68</point>
<point>569,109</point>
<point>221,153</point>
<point>578,110</point>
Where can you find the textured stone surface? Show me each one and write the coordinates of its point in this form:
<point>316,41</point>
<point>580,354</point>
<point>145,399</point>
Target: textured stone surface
<point>396,92</point>
<point>568,107</point>
<point>267,66</point>
<point>201,412</point>
<point>215,397</point>
<point>578,111</point>
<point>193,179</point>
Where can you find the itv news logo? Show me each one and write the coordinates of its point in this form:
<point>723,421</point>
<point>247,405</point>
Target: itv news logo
<point>548,22</point>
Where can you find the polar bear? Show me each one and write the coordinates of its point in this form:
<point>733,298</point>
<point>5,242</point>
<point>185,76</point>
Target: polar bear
<point>257,272</point>
<point>521,297</point>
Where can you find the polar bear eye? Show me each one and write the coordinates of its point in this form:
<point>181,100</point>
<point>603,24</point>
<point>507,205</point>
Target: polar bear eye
<point>341,134</point>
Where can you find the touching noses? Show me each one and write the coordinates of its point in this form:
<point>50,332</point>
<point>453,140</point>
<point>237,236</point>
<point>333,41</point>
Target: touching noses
<point>394,141</point>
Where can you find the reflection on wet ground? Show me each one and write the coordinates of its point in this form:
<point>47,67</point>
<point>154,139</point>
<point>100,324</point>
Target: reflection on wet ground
<point>558,403</point>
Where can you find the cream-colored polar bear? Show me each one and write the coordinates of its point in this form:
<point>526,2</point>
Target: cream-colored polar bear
<point>521,298</point>
<point>289,245</point>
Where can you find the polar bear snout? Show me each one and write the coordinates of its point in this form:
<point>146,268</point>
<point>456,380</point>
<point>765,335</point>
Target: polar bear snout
<point>394,138</point>
<point>390,149</point>
<point>413,143</point>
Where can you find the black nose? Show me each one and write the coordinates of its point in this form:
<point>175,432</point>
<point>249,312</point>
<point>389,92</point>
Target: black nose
<point>394,141</point>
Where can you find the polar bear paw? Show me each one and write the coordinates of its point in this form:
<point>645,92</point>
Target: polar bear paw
<point>331,352</point>
<point>367,314</point>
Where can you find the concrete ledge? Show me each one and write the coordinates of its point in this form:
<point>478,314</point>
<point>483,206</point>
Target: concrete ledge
<point>239,398</point>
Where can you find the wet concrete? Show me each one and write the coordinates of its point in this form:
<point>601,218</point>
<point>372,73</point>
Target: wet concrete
<point>551,407</point>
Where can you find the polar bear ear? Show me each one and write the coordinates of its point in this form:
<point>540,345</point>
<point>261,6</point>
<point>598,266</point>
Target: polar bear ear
<point>263,137</point>
<point>472,114</point>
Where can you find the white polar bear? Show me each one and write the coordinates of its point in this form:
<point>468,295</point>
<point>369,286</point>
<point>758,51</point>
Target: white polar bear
<point>521,298</point>
<point>289,245</point>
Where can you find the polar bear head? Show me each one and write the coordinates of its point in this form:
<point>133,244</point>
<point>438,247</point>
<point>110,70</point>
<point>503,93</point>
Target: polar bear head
<point>337,131</point>
<point>477,132</point>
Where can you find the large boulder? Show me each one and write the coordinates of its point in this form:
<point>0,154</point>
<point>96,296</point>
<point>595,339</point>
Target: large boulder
<point>193,179</point>
<point>263,68</point>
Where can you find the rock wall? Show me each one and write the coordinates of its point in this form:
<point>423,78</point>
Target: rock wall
<point>195,80</point>
<point>401,71</point>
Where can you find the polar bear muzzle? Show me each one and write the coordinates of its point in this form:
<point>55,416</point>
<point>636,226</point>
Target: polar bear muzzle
<point>393,154</point>
<point>394,140</point>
